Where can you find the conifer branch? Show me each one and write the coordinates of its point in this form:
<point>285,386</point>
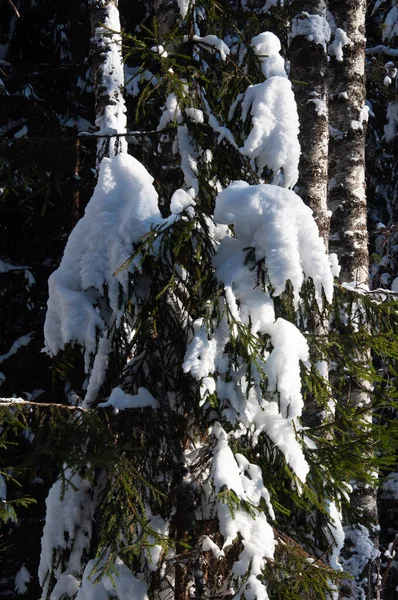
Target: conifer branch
<point>20,401</point>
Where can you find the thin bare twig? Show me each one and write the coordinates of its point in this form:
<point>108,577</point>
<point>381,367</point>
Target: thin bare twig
<point>11,3</point>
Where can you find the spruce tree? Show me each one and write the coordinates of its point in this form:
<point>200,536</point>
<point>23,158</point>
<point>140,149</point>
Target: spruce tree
<point>196,445</point>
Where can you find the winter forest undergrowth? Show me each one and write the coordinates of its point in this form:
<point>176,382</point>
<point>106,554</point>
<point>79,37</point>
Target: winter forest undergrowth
<point>198,299</point>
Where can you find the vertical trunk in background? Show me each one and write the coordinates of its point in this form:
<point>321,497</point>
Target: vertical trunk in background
<point>347,199</point>
<point>309,66</point>
<point>108,75</point>
<point>349,239</point>
<point>309,35</point>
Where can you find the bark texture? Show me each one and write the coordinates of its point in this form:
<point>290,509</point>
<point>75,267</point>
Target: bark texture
<point>347,199</point>
<point>349,240</point>
<point>309,67</point>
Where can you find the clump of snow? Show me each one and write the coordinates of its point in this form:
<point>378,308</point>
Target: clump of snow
<point>209,545</point>
<point>360,551</point>
<point>154,551</point>
<point>159,50</point>
<point>282,432</point>
<point>24,340</point>
<point>281,228</point>
<point>267,48</point>
<point>123,584</point>
<point>283,366</point>
<point>389,489</point>
<point>123,208</point>
<point>336,535</point>
<point>189,155</point>
<point>390,129</point>
<point>184,5</point>
<point>120,400</point>
<point>314,27</point>
<point>22,578</point>
<point>390,26</point>
<point>214,42</point>
<point>21,132</point>
<point>340,39</point>
<point>68,526</point>
<point>237,474</point>
<point>273,140</point>
<point>180,201</point>
<point>334,264</point>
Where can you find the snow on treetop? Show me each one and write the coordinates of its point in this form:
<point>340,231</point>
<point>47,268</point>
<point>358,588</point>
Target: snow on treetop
<point>282,230</point>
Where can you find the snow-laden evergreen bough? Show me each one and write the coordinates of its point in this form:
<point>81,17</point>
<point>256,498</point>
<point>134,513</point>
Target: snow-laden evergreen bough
<point>181,323</point>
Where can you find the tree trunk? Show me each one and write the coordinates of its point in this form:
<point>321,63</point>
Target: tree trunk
<point>349,240</point>
<point>347,199</point>
<point>309,66</point>
<point>106,54</point>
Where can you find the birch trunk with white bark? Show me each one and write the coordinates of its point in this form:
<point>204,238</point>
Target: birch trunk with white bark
<point>349,240</point>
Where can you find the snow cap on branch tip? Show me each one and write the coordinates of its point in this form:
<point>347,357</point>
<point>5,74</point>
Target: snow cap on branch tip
<point>267,47</point>
<point>280,227</point>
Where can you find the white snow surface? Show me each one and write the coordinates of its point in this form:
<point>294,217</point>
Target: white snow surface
<point>123,208</point>
<point>70,513</point>
<point>154,551</point>
<point>390,26</point>
<point>273,140</point>
<point>336,535</point>
<point>120,400</point>
<point>123,585</point>
<point>361,550</point>
<point>256,533</point>
<point>391,128</point>
<point>21,579</point>
<point>24,340</point>
<point>390,487</point>
<point>183,5</point>
<point>189,155</point>
<point>314,27</point>
<point>215,42</point>
<point>267,48</point>
<point>281,229</point>
<point>340,39</point>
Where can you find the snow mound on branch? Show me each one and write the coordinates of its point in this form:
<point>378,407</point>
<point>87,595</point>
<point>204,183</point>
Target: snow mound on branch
<point>123,585</point>
<point>68,527</point>
<point>282,231</point>
<point>120,400</point>
<point>390,26</point>
<point>267,47</point>
<point>273,140</point>
<point>236,473</point>
<point>123,208</point>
